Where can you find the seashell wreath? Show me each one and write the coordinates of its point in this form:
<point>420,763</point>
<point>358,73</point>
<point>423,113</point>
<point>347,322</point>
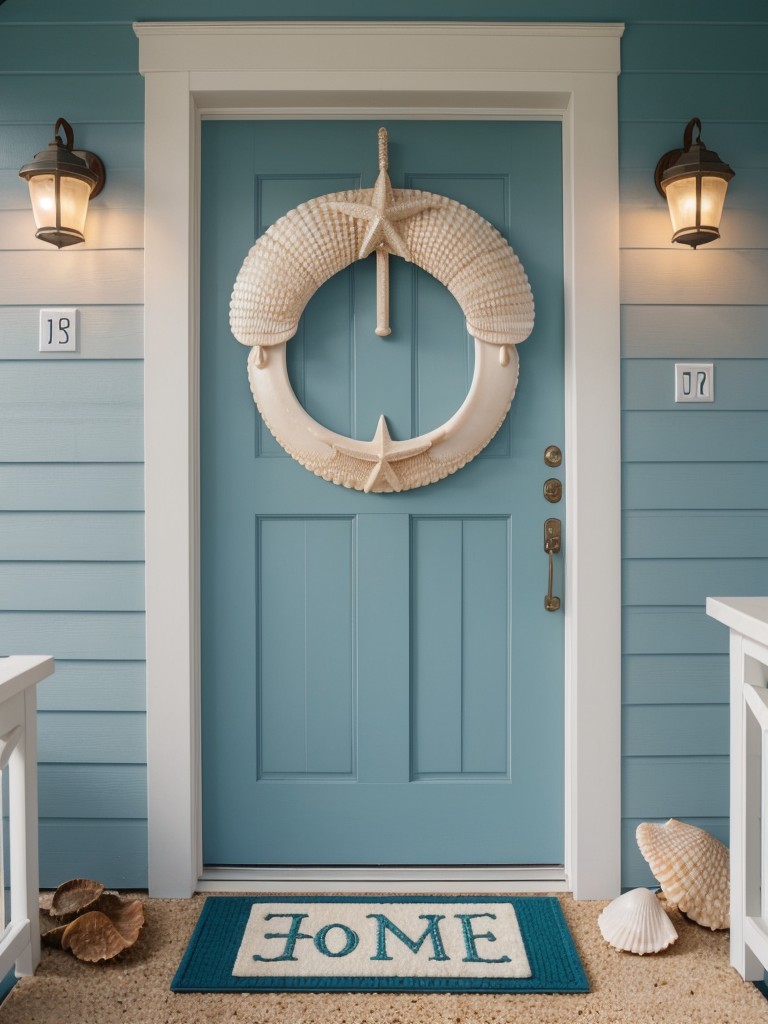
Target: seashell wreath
<point>692,869</point>
<point>93,924</point>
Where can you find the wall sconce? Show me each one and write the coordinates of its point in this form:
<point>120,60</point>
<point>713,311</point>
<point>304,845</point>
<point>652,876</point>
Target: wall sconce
<point>61,181</point>
<point>694,181</point>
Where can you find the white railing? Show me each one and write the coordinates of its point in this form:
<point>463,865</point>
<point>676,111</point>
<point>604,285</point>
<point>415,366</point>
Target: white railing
<point>20,937</point>
<point>747,618</point>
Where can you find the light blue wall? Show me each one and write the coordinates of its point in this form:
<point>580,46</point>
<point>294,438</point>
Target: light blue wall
<point>695,479</point>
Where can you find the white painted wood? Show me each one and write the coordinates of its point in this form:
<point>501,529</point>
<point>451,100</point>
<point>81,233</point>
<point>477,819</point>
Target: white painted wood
<point>748,622</point>
<point>745,615</point>
<point>63,277</point>
<point>378,880</point>
<point>676,277</point>
<point>564,72</point>
<point>19,676</point>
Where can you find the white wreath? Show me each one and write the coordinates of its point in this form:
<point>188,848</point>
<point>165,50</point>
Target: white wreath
<point>302,250</point>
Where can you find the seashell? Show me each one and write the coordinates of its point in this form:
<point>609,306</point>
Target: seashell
<point>692,869</point>
<point>51,930</point>
<point>75,896</point>
<point>103,934</point>
<point>637,922</point>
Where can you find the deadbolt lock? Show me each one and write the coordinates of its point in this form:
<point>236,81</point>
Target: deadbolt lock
<point>553,490</point>
<point>552,455</point>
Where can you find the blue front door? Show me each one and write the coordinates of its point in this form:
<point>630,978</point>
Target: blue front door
<point>381,682</point>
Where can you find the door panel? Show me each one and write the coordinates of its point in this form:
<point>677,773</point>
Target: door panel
<point>380,680</point>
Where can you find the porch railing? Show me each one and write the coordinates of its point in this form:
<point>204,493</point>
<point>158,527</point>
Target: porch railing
<point>19,923</point>
<point>747,618</point>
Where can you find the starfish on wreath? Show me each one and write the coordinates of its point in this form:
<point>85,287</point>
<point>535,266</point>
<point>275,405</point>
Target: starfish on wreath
<point>382,215</point>
<point>384,453</point>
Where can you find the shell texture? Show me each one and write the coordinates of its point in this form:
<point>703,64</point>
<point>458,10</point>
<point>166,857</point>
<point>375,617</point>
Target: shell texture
<point>311,243</point>
<point>692,869</point>
<point>75,896</point>
<point>637,923</point>
<point>103,934</point>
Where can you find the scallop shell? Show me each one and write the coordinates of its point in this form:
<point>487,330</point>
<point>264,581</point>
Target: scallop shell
<point>75,896</point>
<point>692,869</point>
<point>103,934</point>
<point>636,922</point>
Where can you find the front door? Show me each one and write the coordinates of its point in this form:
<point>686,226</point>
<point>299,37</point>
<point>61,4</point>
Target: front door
<point>381,682</point>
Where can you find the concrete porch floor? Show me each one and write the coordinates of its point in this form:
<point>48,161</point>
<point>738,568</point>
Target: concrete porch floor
<point>690,982</point>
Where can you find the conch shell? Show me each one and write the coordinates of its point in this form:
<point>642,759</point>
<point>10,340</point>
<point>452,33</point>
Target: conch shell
<point>692,869</point>
<point>636,922</point>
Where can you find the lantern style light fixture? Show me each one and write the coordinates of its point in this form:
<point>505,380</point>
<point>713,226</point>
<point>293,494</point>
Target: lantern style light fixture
<point>61,180</point>
<point>694,181</point>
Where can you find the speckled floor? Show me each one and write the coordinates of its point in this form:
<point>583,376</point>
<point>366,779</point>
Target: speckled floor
<point>691,983</point>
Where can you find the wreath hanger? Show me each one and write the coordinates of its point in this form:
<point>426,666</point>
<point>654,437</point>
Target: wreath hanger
<point>311,243</point>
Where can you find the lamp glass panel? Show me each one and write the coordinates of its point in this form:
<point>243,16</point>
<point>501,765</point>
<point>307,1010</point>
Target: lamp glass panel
<point>42,193</point>
<point>712,199</point>
<point>75,194</point>
<point>681,197</point>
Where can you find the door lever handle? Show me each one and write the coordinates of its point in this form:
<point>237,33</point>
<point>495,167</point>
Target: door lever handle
<point>552,541</point>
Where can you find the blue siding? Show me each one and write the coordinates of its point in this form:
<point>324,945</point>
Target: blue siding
<point>695,488</point>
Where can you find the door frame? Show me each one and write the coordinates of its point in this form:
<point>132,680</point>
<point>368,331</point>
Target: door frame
<point>371,70</point>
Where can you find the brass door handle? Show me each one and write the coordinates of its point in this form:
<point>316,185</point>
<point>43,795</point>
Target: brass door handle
<point>552,539</point>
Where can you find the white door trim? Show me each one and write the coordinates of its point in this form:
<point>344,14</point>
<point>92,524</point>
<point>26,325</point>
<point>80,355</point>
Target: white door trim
<point>371,70</point>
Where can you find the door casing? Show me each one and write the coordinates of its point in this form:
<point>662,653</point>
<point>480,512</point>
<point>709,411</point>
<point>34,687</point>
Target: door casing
<point>376,70</point>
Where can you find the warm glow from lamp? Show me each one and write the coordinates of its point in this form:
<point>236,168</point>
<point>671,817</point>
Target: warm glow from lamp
<point>694,181</point>
<point>61,182</point>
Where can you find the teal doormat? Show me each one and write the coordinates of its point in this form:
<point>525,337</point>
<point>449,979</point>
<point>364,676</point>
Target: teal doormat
<point>381,944</point>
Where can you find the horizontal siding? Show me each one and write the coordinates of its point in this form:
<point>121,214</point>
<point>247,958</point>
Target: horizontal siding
<point>690,581</point>
<point>677,731</point>
<point>114,851</point>
<point>671,630</point>
<point>72,586</point>
<point>85,97</point>
<point>107,685</point>
<point>72,412</point>
<point>62,277</point>
<point>66,49</point>
<point>695,534</point>
<point>111,738</point>
<point>675,787</point>
<point>715,98</point>
<point>104,332</point>
<point>739,385</point>
<point>93,791</point>
<point>79,635</point>
<point>675,679</point>
<point>746,11</point>
<point>71,487</point>
<point>75,536</point>
<point>719,277</point>
<point>679,47</point>
<point>686,485</point>
<point>694,331</point>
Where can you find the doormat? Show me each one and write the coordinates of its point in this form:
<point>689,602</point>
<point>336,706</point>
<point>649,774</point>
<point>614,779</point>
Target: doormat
<point>381,944</point>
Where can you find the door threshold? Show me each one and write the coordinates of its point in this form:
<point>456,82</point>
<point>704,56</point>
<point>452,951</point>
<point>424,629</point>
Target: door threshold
<point>487,879</point>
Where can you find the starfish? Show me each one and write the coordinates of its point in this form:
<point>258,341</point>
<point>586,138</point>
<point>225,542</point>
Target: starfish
<point>382,214</point>
<point>384,453</point>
